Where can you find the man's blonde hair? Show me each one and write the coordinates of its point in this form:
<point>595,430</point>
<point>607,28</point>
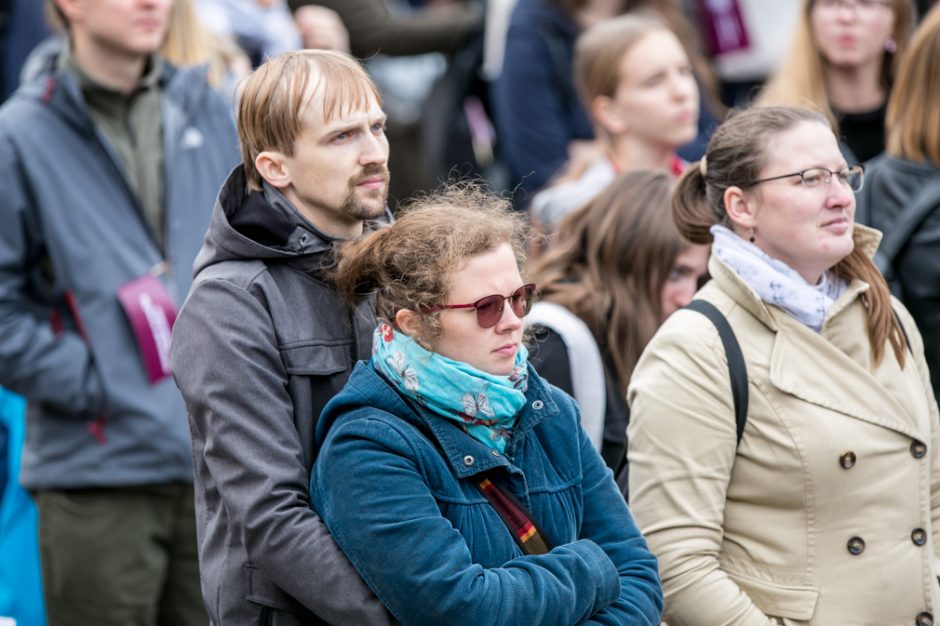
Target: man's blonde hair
<point>274,96</point>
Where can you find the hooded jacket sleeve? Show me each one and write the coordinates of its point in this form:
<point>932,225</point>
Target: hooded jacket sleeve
<point>226,363</point>
<point>55,368</point>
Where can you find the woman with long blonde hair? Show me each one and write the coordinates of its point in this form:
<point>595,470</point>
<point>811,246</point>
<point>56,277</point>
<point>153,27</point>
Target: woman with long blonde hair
<point>637,83</point>
<point>842,62</point>
<point>189,42</point>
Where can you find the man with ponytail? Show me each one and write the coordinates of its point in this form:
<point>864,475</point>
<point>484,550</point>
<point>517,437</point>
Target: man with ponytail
<point>824,512</point>
<point>263,341</point>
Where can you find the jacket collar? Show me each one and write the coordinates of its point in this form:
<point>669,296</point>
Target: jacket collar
<point>58,86</point>
<point>834,378</point>
<point>865,237</point>
<point>465,455</point>
<point>263,225</point>
<point>107,98</point>
<point>841,369</point>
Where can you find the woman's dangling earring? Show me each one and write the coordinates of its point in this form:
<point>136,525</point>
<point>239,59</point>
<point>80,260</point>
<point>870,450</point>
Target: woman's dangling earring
<point>750,235</point>
<point>891,46</point>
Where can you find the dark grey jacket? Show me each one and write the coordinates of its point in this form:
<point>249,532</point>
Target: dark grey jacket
<point>261,345</point>
<point>891,184</point>
<point>71,228</point>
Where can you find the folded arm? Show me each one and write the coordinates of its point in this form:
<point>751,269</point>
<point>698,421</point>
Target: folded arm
<point>385,517</point>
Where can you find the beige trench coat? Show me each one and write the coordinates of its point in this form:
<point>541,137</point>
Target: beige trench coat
<point>827,512</point>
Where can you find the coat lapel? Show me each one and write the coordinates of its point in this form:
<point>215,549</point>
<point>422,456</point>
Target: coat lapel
<point>819,372</point>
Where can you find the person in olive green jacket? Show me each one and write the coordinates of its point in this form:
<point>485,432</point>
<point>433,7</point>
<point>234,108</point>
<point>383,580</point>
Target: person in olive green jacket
<point>824,512</point>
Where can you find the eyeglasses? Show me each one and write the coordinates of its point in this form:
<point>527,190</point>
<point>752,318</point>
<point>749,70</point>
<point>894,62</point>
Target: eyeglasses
<point>867,6</point>
<point>853,177</point>
<point>490,309</point>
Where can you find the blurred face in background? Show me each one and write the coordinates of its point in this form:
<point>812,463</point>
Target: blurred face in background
<point>657,97</point>
<point>118,27</point>
<point>852,33</point>
<point>683,280</point>
<point>587,13</point>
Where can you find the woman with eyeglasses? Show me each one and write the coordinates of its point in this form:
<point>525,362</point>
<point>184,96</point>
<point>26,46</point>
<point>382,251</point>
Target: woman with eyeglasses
<point>823,513</point>
<point>458,483</point>
<point>843,60</point>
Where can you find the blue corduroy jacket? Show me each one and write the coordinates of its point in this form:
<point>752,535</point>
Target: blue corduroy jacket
<point>406,511</point>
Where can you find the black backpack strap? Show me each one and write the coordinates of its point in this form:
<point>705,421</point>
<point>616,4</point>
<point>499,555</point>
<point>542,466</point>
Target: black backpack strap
<point>737,369</point>
<point>907,338</point>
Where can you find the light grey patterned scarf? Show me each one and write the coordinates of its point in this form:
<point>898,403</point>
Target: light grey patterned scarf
<point>776,282</point>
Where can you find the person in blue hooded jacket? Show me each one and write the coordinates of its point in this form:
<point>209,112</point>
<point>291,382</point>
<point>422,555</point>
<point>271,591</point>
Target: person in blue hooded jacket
<point>458,483</point>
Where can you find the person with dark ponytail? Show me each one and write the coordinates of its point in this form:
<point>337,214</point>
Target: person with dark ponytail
<point>822,512</point>
<point>458,483</point>
<point>614,270</point>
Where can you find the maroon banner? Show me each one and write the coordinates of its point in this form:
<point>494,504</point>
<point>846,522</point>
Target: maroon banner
<point>723,27</point>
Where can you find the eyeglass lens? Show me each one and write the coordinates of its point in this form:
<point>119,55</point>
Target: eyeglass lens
<point>490,309</point>
<point>851,176</point>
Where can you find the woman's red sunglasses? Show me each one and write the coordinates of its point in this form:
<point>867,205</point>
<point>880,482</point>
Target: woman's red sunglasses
<point>490,308</point>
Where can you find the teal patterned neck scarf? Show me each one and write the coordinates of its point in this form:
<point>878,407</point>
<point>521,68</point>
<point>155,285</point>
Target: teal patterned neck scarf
<point>484,405</point>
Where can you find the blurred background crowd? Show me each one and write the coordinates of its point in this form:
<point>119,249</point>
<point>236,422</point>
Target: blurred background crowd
<point>582,112</point>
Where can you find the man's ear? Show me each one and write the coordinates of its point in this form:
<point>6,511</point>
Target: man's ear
<point>409,322</point>
<point>741,208</point>
<point>607,116</point>
<point>273,167</point>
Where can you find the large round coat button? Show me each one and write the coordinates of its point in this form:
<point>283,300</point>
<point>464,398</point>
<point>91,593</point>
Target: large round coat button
<point>847,460</point>
<point>856,546</point>
<point>924,618</point>
<point>919,537</point>
<point>918,449</point>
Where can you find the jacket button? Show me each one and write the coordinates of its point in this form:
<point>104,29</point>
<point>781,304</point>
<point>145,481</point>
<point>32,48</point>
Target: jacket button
<point>924,618</point>
<point>494,452</point>
<point>856,546</point>
<point>918,449</point>
<point>847,460</point>
<point>469,460</point>
<point>537,405</point>
<point>919,537</point>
